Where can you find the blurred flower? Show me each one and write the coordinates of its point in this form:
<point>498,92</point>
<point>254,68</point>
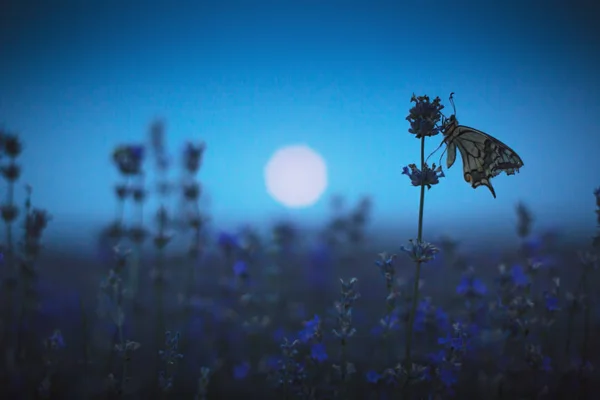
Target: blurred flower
<point>470,286</point>
<point>311,327</point>
<point>56,341</point>
<point>158,146</point>
<point>552,302</point>
<point>126,347</point>
<point>241,371</point>
<point>427,177</point>
<point>11,172</point>
<point>424,116</point>
<point>171,352</point>
<point>373,376</point>
<point>227,242</point>
<point>240,268</point>
<point>533,244</point>
<point>387,324</point>
<point>165,382</point>
<point>192,156</point>
<point>317,352</point>
<point>35,223</point>
<point>129,159</point>
<point>535,358</point>
<point>10,144</point>
<point>524,220</point>
<point>9,212</point>
<point>420,252</point>
<point>519,278</point>
<point>348,296</point>
<point>386,267</point>
<point>192,191</point>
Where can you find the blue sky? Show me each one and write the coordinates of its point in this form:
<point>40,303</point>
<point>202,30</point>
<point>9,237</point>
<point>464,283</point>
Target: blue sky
<point>248,77</point>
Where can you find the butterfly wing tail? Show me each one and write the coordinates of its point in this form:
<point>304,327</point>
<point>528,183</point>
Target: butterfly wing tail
<point>477,178</point>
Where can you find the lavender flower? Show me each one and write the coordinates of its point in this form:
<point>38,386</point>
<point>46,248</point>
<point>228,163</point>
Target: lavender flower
<point>128,159</point>
<point>427,177</point>
<point>420,252</point>
<point>387,268</point>
<point>171,356</point>
<point>192,156</point>
<point>424,116</point>
<point>524,219</point>
<point>203,382</point>
<point>10,144</point>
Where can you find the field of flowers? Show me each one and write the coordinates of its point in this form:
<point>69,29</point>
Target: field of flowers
<point>181,310</point>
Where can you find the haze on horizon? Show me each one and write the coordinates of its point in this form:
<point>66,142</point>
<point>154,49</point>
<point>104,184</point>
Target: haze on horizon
<point>78,79</point>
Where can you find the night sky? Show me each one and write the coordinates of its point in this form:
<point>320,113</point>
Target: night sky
<point>249,77</point>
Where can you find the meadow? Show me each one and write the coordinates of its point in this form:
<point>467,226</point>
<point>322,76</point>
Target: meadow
<point>174,308</point>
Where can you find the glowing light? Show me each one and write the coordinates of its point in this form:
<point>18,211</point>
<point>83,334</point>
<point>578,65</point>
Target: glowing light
<point>296,176</point>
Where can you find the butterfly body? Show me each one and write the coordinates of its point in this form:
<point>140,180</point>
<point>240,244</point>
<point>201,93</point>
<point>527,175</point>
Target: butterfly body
<point>483,156</point>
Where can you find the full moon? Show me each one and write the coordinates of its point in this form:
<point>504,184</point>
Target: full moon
<point>296,176</point>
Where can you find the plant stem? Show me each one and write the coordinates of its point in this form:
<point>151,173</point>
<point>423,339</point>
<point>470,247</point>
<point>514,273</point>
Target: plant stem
<point>10,281</point>
<point>415,297</point>
<point>586,338</point>
<point>159,298</point>
<point>571,320</point>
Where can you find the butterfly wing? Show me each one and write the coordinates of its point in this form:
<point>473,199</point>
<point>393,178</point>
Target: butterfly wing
<point>483,156</point>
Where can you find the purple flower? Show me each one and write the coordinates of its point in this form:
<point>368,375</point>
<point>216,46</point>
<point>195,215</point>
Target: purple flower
<point>56,341</point>
<point>192,156</point>
<point>426,177</point>
<point>241,371</point>
<point>310,328</point>
<point>373,376</point>
<point>420,252</point>
<point>424,116</point>
<point>128,159</point>
<point>386,324</point>
<point>518,276</point>
<point>227,242</point>
<point>441,318</point>
<point>35,223</point>
<point>317,352</point>
<point>240,268</point>
<point>470,286</point>
<point>552,303</point>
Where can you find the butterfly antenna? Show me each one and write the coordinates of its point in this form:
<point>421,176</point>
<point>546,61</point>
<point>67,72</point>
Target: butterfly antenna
<point>435,151</point>
<point>452,102</point>
<point>442,155</point>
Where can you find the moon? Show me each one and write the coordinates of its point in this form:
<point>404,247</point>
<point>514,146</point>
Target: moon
<point>296,176</point>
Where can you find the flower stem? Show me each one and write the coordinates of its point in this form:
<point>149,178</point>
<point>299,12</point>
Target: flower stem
<point>415,296</point>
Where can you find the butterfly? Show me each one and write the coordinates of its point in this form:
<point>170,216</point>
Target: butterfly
<point>483,156</point>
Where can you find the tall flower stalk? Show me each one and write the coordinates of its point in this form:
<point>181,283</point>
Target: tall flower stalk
<point>10,147</point>
<point>344,331</point>
<point>128,159</point>
<point>161,240</point>
<point>424,118</point>
<point>191,193</point>
<point>34,225</point>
